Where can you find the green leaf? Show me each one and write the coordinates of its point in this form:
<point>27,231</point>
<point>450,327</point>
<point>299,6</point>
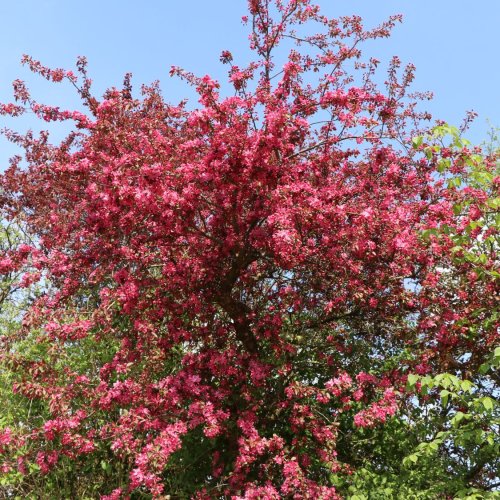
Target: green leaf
<point>484,368</point>
<point>443,164</point>
<point>466,385</point>
<point>494,203</point>
<point>483,258</point>
<point>106,466</point>
<point>487,403</point>
<point>427,382</point>
<point>434,446</point>
<point>458,417</point>
<point>411,458</point>
<point>444,397</point>
<point>417,141</point>
<point>442,435</point>
<point>455,182</point>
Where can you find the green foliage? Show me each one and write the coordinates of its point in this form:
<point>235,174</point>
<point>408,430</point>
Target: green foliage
<point>446,441</point>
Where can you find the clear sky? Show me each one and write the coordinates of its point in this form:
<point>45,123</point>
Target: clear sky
<point>453,43</point>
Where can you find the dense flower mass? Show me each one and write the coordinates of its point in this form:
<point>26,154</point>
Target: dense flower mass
<point>234,295</point>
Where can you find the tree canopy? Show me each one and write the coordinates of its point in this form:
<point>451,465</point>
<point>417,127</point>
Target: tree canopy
<point>289,290</point>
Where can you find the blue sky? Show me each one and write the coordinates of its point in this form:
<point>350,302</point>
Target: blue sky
<point>453,43</point>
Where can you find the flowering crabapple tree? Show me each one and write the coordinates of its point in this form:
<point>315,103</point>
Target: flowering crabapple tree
<point>242,299</point>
